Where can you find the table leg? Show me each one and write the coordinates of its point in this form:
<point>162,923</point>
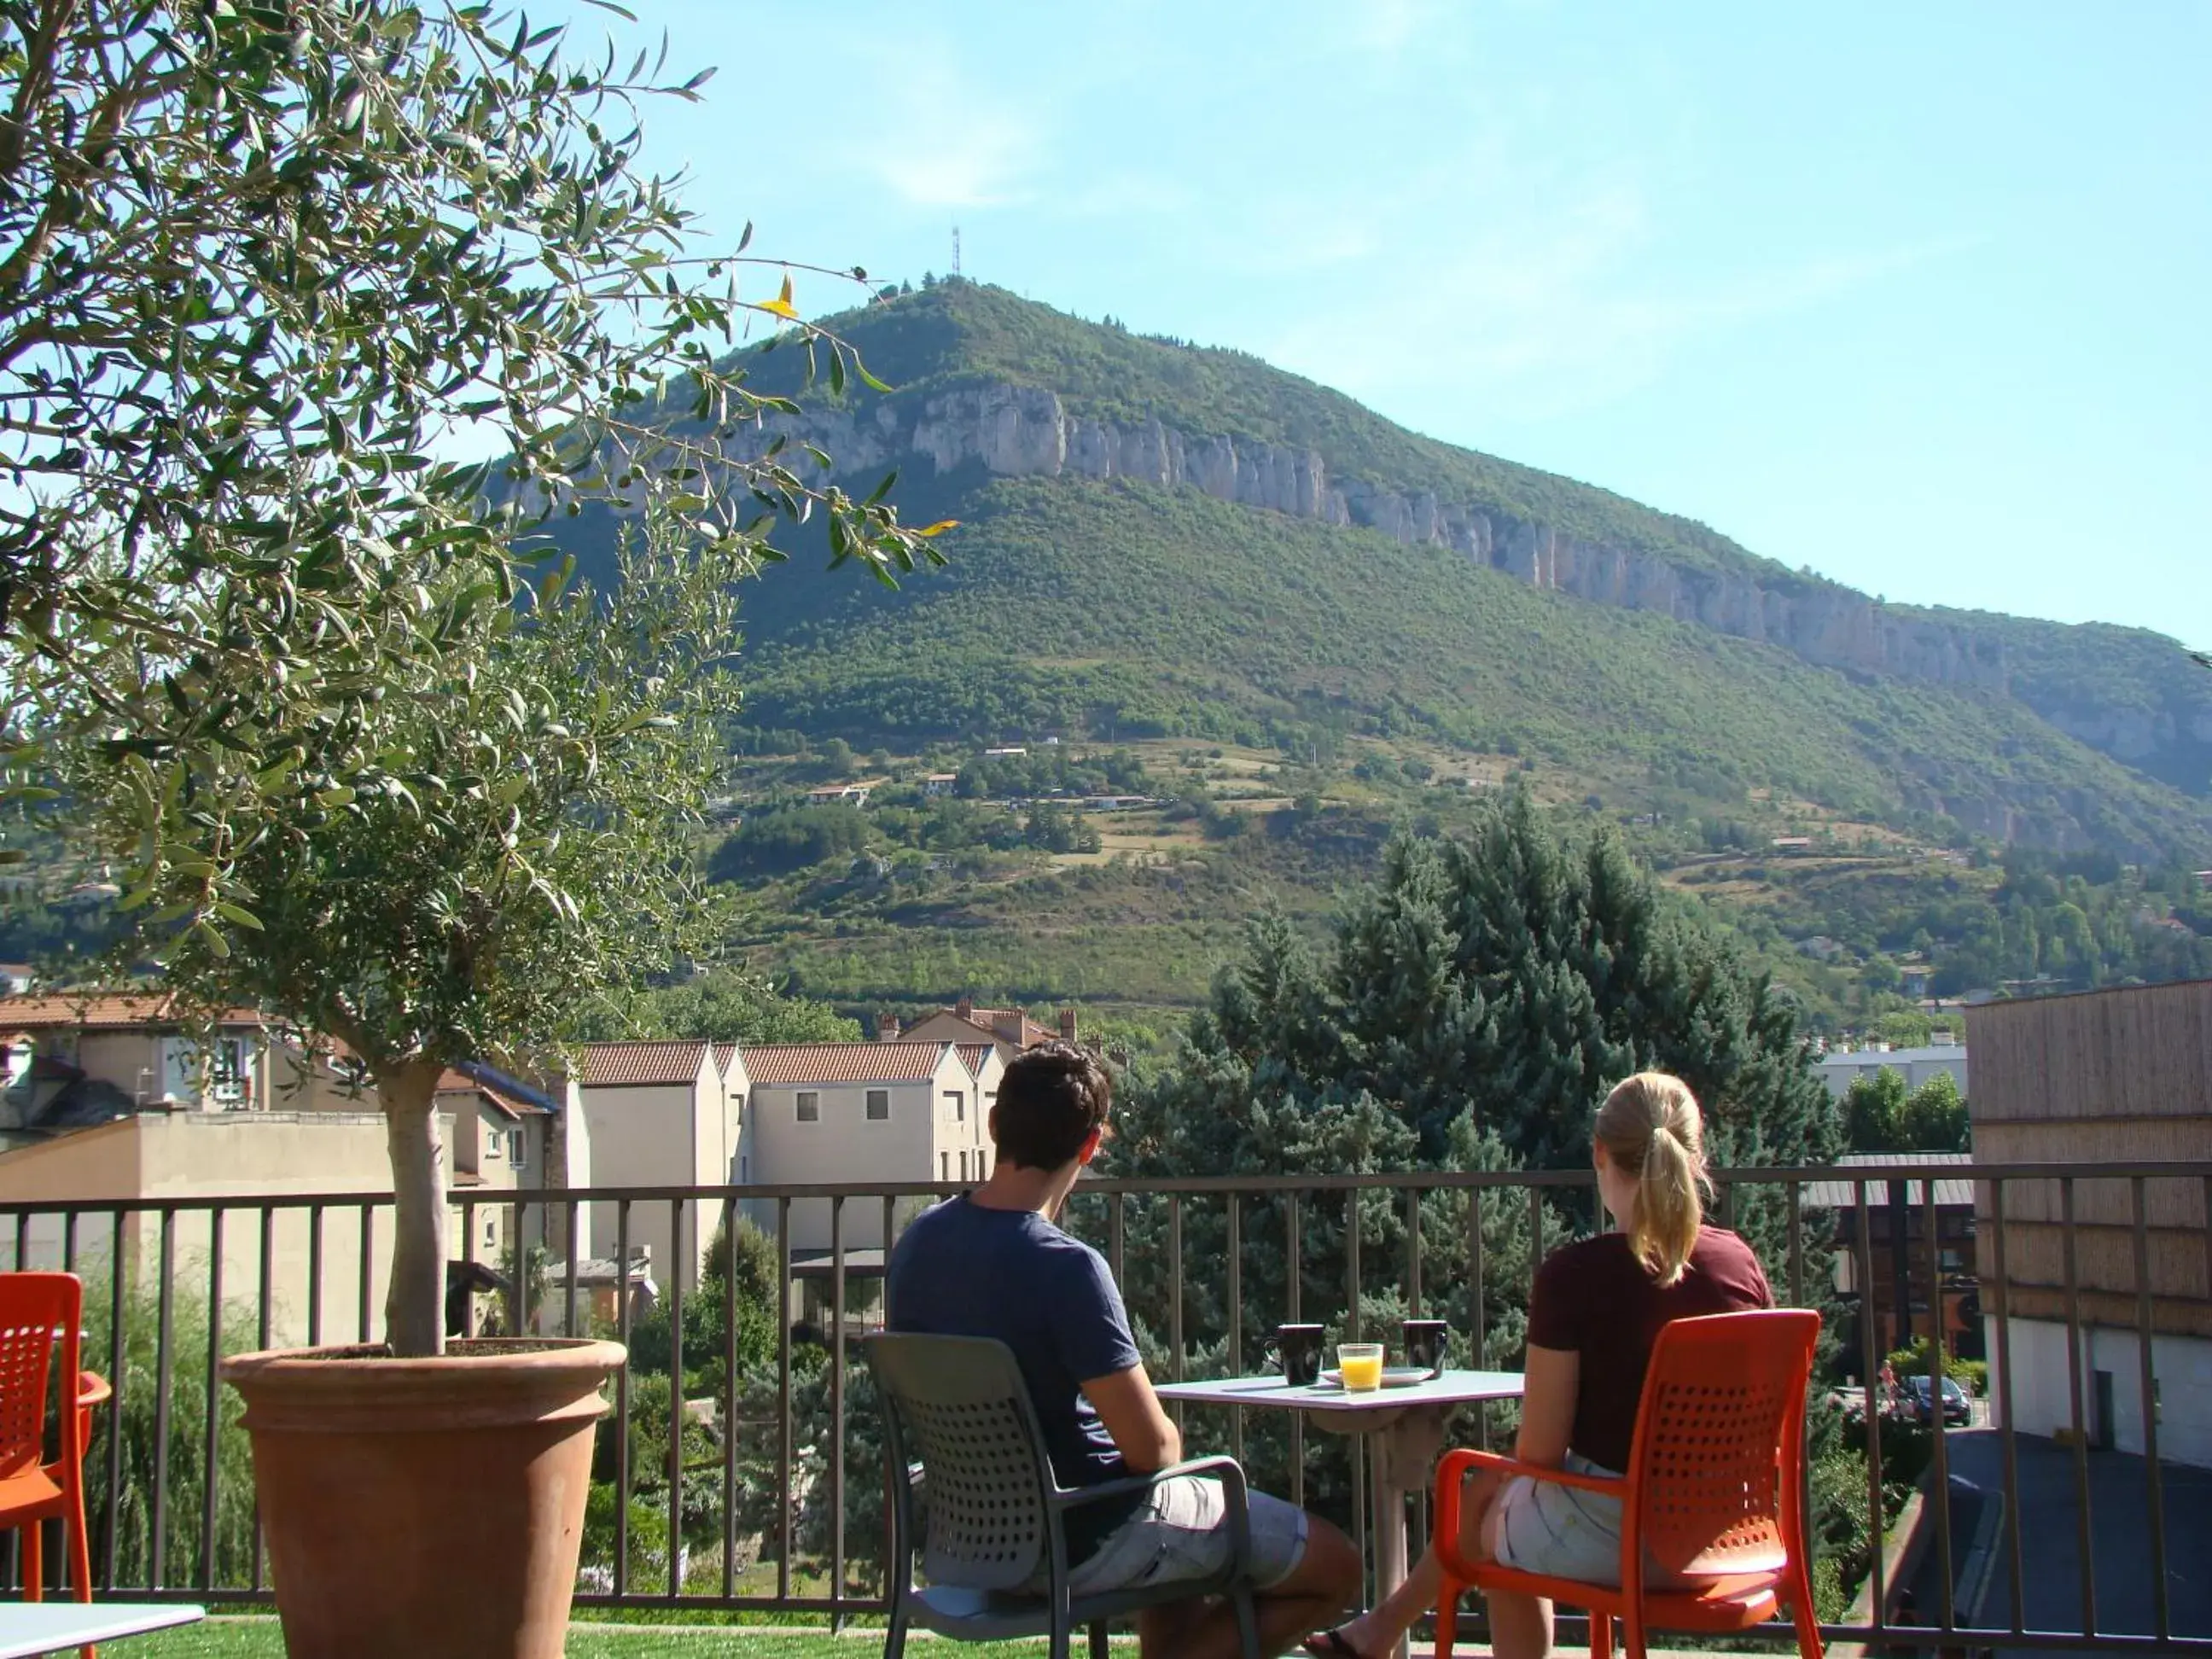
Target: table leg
<point>1401,1455</point>
<point>1388,1530</point>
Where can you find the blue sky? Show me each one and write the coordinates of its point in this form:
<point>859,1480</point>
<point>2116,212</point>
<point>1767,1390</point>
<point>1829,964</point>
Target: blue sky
<point>1916,295</point>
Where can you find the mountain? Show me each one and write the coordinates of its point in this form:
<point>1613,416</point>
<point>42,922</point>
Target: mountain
<point>1158,539</point>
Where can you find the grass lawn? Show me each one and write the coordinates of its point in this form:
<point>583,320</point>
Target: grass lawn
<point>260,1638</point>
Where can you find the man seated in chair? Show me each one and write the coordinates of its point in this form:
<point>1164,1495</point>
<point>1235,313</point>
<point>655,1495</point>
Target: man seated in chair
<point>992,1263</point>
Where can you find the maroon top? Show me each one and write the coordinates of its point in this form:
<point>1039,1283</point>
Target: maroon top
<point>1596,1299</point>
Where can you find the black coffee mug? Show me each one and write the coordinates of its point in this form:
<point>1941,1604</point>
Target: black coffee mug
<point>1426,1343</point>
<point>1298,1349</point>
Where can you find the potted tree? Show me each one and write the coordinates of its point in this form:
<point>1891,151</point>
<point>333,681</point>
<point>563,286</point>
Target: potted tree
<point>354,760</point>
<point>530,850</point>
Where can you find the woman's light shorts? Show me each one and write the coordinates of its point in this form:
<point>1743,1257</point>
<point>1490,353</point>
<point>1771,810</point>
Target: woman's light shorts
<point>1561,1532</point>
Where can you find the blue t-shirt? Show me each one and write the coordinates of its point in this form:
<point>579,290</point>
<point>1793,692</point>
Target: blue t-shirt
<point>963,1270</point>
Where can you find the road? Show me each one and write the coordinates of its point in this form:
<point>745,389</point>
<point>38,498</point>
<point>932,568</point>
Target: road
<point>2119,1529</point>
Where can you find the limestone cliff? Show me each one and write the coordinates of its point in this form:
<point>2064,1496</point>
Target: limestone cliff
<point>1016,430</point>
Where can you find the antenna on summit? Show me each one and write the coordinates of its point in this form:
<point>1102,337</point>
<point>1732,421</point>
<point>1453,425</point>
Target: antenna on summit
<point>956,250</point>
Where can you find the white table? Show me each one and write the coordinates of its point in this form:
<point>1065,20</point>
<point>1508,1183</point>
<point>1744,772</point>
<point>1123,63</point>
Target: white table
<point>27,1628</point>
<point>1404,1429</point>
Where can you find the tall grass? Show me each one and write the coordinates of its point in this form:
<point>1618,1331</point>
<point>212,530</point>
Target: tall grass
<point>130,1440</point>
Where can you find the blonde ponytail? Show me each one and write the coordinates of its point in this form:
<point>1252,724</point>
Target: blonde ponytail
<point>1651,1127</point>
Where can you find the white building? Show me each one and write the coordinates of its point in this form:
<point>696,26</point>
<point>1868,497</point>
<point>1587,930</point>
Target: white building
<point>1842,1067</point>
<point>658,1115</point>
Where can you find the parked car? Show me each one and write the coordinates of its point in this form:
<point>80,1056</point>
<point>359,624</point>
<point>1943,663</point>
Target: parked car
<point>1956,1410</point>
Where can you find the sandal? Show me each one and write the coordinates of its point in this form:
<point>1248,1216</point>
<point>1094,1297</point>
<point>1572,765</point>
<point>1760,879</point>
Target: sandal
<point>1330,1644</point>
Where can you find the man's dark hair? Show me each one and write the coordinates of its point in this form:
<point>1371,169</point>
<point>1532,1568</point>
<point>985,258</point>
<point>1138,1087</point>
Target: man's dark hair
<point>1052,1099</point>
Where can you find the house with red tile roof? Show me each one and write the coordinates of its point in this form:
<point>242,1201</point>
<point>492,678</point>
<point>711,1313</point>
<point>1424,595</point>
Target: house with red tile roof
<point>1009,1030</point>
<point>659,1114</point>
<point>130,1050</point>
<point>505,1136</point>
<point>865,1113</point>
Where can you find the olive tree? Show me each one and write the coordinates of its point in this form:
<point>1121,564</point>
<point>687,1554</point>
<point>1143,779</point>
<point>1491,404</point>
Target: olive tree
<point>266,266</point>
<point>528,844</point>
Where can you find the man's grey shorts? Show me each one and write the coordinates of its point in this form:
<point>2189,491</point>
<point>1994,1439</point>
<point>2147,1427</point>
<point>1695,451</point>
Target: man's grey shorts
<point>1181,1533</point>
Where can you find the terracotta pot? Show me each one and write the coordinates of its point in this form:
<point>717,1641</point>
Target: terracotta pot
<point>432,1508</point>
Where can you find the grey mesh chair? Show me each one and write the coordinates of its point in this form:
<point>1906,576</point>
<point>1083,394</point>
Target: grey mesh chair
<point>963,1446</point>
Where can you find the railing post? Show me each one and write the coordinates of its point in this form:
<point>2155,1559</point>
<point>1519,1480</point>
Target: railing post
<point>211,1468</point>
<point>1295,1274</point>
<point>568,1270</point>
<point>783,1398</point>
<point>684,1257</point>
<point>1236,1319</point>
<point>2155,1494</point>
<point>469,1258</point>
<point>368,1270</point>
<point>1871,1362</point>
<point>1938,1337</point>
<point>314,1275</point>
<point>261,1344</point>
<point>156,1572</point>
<point>119,1313</point>
<point>1352,1263</point>
<point>836,1413</point>
<point>622,1399</point>
<point>2083,1535</point>
<point>728,1405</point>
<point>1414,1252</point>
<point>2015,1548</point>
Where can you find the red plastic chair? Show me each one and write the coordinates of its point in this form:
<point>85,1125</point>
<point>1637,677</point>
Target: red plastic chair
<point>1711,1496</point>
<point>37,1310</point>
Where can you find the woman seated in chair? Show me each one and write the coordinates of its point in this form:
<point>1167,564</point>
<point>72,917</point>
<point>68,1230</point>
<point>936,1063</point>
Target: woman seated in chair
<point>1594,1315</point>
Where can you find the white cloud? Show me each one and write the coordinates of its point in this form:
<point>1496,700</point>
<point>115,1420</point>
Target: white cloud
<point>961,155</point>
<point>1545,299</point>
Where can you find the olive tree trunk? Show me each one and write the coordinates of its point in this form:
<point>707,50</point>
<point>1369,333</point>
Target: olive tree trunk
<point>415,1305</point>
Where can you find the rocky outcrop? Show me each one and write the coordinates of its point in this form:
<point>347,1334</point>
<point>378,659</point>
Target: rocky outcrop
<point>1013,431</point>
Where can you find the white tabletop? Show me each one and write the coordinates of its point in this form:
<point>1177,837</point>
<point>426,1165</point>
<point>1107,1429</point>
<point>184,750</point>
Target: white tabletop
<point>1451,1388</point>
<point>34,1627</point>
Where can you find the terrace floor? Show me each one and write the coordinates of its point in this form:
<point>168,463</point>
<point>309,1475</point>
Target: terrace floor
<point>2119,1529</point>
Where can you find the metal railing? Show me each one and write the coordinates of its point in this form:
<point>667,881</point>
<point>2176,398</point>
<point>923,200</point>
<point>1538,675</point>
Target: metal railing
<point>751,1500</point>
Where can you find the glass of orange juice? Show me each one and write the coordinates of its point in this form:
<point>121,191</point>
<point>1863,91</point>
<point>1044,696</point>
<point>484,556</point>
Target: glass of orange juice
<point>1361,1365</point>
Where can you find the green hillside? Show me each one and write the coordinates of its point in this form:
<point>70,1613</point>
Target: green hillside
<point>1291,690</point>
<point>1205,619</point>
<point>1120,610</point>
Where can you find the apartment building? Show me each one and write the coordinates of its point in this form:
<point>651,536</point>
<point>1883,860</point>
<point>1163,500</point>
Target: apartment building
<point>660,1114</point>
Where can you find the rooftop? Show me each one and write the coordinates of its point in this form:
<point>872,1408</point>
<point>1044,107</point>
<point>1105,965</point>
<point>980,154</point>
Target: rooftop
<point>784,1063</point>
<point>634,1065</point>
<point>1843,1194</point>
<point>104,1010</point>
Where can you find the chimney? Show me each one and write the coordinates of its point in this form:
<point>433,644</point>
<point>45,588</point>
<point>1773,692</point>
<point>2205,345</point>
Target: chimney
<point>965,1007</point>
<point>887,1028</point>
<point>1067,1026</point>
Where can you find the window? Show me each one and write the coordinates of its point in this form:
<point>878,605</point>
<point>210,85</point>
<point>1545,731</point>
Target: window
<point>945,1166</point>
<point>959,1105</point>
<point>491,1232</point>
<point>963,1166</point>
<point>879,1105</point>
<point>517,1150</point>
<point>810,1106</point>
<point>227,1069</point>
